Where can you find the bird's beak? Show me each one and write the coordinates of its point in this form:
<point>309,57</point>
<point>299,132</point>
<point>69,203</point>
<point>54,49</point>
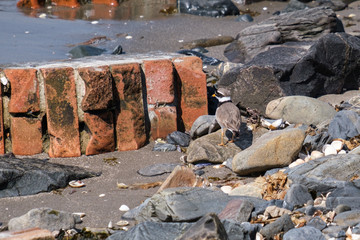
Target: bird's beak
<point>213,95</point>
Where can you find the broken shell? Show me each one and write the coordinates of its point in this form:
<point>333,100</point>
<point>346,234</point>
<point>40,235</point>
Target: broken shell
<point>80,214</point>
<point>124,208</point>
<point>122,223</point>
<point>307,158</point>
<point>226,189</point>
<point>316,154</point>
<point>337,144</point>
<point>122,186</point>
<point>218,166</point>
<point>110,225</point>
<point>329,150</point>
<point>102,195</point>
<point>76,184</point>
<point>352,15</point>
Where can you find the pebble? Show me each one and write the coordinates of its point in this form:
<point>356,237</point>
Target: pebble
<point>102,195</point>
<point>122,223</point>
<point>124,208</point>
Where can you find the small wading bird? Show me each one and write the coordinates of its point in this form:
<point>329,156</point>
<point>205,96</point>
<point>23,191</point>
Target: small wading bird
<point>227,114</point>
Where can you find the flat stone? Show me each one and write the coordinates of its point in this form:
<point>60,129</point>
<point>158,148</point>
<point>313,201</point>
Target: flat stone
<point>238,210</point>
<point>300,109</point>
<point>30,176</point>
<point>304,233</point>
<point>45,218</point>
<point>271,150</point>
<point>282,224</point>
<point>348,218</point>
<point>157,169</point>
<point>297,195</point>
<point>207,227</point>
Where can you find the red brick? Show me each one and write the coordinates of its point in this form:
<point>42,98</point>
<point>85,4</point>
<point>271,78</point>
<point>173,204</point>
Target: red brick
<point>66,3</point>
<point>106,2</point>
<point>98,88</point>
<point>163,121</point>
<point>159,81</point>
<point>193,93</point>
<point>26,135</point>
<point>61,112</point>
<point>130,119</point>
<point>29,234</point>
<point>24,90</point>
<point>34,4</point>
<point>101,127</point>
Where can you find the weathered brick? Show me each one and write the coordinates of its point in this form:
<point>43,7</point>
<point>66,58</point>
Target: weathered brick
<point>130,118</point>
<point>66,3</point>
<point>26,135</point>
<point>163,121</point>
<point>106,2</point>
<point>24,90</point>
<point>98,88</point>
<point>159,81</point>
<point>28,234</point>
<point>192,87</point>
<point>61,112</point>
<point>101,127</point>
<point>34,4</point>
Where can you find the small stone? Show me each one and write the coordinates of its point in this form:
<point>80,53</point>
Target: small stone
<point>124,208</point>
<point>122,223</point>
<point>317,223</point>
<point>226,189</point>
<point>329,150</point>
<point>341,208</point>
<point>338,145</point>
<point>316,154</point>
<point>102,195</point>
<point>296,163</point>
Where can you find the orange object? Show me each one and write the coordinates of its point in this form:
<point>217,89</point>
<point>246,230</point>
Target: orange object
<point>34,4</point>
<point>66,3</point>
<point>114,3</point>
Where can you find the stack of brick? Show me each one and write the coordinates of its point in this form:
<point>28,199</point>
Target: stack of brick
<point>99,104</point>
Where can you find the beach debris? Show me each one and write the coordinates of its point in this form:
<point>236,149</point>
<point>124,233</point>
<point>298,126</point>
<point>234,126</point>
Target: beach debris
<point>208,42</point>
<point>76,184</point>
<point>124,208</point>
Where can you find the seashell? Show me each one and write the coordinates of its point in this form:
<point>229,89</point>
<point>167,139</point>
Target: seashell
<point>43,15</point>
<point>297,162</point>
<point>218,166</point>
<point>329,150</point>
<point>337,144</point>
<point>102,195</point>
<point>122,223</point>
<point>352,15</point>
<point>124,208</point>
<point>316,154</point>
<point>110,225</point>
<point>265,123</point>
<point>307,158</point>
<point>76,184</point>
<point>80,214</point>
<point>226,189</point>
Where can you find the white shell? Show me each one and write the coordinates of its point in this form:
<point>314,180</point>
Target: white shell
<point>226,189</point>
<point>329,150</point>
<point>338,145</point>
<point>297,162</point>
<point>122,223</point>
<point>124,208</point>
<point>342,152</point>
<point>276,124</point>
<point>316,154</point>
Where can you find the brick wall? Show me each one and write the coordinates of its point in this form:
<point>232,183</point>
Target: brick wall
<point>99,104</point>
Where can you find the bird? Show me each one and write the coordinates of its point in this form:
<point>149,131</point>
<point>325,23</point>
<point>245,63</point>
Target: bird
<point>227,114</point>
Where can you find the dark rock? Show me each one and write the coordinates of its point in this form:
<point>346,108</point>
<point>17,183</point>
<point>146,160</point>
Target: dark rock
<point>164,147</point>
<point>341,208</point>
<point>152,230</point>
<point>118,50</point>
<point>302,25</point>
<point>335,232</point>
<point>178,138</point>
<point>201,126</point>
<point>283,224</point>
<point>294,5</point>
<point>327,173</point>
<point>237,210</point>
<point>85,50</point>
<point>205,59</point>
<point>45,218</point>
<point>348,218</point>
<point>310,210</point>
<point>240,231</point>
<point>346,194</point>
<point>20,177</point>
<point>133,213</point>
<point>189,204</point>
<point>297,195</point>
<point>345,125</point>
<point>211,8</point>
<point>157,169</point>
<point>317,223</point>
<point>304,233</point>
<point>207,227</point>
<point>293,70</point>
